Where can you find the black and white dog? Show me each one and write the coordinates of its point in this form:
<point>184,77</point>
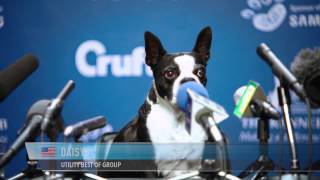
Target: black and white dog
<point>159,120</point>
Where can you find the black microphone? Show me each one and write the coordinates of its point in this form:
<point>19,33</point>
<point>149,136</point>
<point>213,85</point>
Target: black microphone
<point>30,131</point>
<point>258,105</point>
<point>80,128</point>
<point>15,74</point>
<point>280,70</point>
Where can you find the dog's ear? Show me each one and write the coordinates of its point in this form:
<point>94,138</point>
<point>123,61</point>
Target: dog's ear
<point>153,47</point>
<point>203,44</point>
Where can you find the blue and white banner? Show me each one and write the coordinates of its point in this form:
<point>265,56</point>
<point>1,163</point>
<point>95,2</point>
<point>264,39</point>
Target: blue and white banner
<point>118,151</point>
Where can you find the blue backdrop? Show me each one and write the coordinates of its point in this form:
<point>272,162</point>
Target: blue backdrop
<point>99,44</point>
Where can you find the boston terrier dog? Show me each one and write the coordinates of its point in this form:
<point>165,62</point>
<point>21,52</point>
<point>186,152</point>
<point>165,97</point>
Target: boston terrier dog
<point>159,120</point>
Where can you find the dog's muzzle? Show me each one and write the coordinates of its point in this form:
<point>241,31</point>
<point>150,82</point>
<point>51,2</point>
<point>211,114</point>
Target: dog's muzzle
<point>184,80</point>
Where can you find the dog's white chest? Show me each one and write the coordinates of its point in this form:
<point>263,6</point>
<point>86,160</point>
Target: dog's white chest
<point>164,127</point>
<point>174,146</point>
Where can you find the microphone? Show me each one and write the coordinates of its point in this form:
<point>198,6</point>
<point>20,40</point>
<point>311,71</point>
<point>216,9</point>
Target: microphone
<point>306,67</point>
<point>251,101</point>
<point>30,131</point>
<point>15,74</point>
<point>280,70</point>
<point>56,105</point>
<point>83,127</point>
<point>192,98</point>
<point>191,94</point>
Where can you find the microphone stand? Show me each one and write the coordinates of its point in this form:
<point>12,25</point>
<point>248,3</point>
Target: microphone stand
<point>285,102</point>
<point>264,163</point>
<point>208,123</point>
<point>214,134</point>
<point>30,172</point>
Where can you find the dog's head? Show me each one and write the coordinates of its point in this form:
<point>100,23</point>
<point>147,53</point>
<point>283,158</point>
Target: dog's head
<point>170,70</point>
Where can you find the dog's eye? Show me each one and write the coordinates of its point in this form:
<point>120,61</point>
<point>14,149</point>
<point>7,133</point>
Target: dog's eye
<point>170,74</point>
<point>200,72</point>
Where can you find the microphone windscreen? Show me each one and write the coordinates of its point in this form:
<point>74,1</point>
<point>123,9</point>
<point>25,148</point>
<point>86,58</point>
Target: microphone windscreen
<point>306,67</point>
<point>38,108</point>
<point>12,76</point>
<point>306,62</point>
<point>183,99</point>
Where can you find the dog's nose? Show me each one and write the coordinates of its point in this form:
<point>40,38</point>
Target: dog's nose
<point>184,80</point>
